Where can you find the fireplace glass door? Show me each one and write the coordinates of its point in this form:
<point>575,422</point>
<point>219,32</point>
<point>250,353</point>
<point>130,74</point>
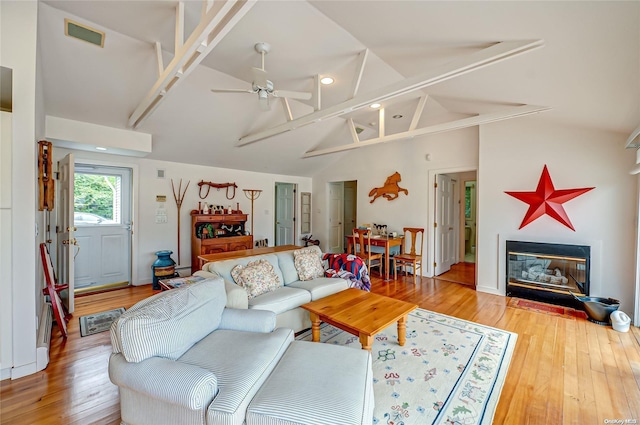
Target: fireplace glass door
<point>547,271</point>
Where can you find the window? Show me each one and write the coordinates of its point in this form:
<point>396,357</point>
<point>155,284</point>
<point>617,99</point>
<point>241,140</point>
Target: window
<point>97,199</point>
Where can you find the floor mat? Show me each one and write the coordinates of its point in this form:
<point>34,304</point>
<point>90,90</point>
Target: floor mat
<point>99,322</point>
<point>551,309</point>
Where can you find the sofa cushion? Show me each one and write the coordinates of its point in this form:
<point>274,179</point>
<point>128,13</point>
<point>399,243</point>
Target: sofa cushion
<point>169,323</point>
<point>280,300</point>
<point>257,277</point>
<point>241,362</point>
<point>321,286</point>
<point>330,384</point>
<point>308,264</point>
<point>223,268</point>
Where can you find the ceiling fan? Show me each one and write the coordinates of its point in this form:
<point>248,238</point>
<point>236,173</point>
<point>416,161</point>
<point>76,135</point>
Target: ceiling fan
<point>263,87</point>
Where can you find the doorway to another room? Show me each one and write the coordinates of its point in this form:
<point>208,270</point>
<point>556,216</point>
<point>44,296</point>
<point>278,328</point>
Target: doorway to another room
<point>343,212</point>
<point>454,213</point>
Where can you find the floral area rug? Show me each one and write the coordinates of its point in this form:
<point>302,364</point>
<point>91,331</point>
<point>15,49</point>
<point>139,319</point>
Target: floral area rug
<point>450,371</point>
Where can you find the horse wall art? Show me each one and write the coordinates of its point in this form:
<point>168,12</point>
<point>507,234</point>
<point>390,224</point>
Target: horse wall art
<point>390,190</point>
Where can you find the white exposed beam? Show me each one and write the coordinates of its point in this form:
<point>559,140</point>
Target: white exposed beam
<point>514,112</point>
<point>179,26</point>
<point>418,112</point>
<point>287,108</point>
<point>352,129</point>
<point>206,6</point>
<point>485,57</point>
<point>362,59</point>
<point>317,92</point>
<point>381,123</point>
<point>633,142</point>
<point>215,25</point>
<point>159,58</point>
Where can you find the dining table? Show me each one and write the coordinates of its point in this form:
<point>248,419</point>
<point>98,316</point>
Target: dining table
<point>386,242</point>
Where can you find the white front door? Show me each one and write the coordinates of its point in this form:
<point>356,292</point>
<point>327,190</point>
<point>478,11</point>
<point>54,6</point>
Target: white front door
<point>336,213</point>
<point>445,225</point>
<point>285,195</point>
<point>66,241</point>
<point>102,218</point>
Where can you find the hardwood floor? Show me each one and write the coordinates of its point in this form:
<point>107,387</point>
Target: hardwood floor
<point>564,371</point>
<point>464,273</point>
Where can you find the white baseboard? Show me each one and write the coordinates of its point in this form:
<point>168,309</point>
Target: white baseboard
<point>5,374</point>
<point>24,370</point>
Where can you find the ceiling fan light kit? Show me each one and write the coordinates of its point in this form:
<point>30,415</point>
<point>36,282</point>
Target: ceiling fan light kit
<point>262,86</point>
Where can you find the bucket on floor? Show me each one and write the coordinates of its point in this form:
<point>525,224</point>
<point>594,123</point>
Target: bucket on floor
<point>620,321</point>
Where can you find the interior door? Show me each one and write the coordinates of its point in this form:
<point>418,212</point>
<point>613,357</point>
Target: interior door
<point>445,224</point>
<point>285,195</point>
<point>350,206</point>
<point>336,213</point>
<point>65,229</point>
<point>103,224</point>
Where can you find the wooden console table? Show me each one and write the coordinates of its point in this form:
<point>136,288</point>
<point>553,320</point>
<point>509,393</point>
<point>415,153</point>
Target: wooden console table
<point>208,258</point>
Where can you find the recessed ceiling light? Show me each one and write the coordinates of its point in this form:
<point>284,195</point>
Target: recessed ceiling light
<point>397,116</point>
<point>100,148</point>
<point>326,80</point>
<point>375,105</point>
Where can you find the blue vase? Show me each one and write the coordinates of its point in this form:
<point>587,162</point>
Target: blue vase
<point>163,268</point>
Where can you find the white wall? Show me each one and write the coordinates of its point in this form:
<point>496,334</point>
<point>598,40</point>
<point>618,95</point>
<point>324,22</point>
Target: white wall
<point>18,30</point>
<point>151,237</point>
<point>6,287</point>
<point>512,156</point>
<point>449,153</point>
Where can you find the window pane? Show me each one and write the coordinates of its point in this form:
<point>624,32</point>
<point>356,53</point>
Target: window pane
<point>96,199</point>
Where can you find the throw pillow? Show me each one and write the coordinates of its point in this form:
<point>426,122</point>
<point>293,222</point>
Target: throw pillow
<point>257,277</point>
<point>308,264</point>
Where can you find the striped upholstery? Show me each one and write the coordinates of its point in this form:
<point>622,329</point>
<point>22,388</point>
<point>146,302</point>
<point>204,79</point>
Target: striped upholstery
<point>281,300</point>
<point>241,362</point>
<point>248,320</point>
<point>331,385</point>
<point>321,286</point>
<point>169,323</point>
<point>182,384</point>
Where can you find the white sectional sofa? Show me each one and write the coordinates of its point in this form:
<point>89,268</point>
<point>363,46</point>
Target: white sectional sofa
<point>286,300</point>
<point>181,357</point>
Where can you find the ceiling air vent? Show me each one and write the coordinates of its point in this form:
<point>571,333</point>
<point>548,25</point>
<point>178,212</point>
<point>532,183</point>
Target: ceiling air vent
<point>83,32</point>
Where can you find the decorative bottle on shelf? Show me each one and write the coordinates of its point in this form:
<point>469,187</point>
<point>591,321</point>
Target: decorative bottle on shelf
<point>205,209</point>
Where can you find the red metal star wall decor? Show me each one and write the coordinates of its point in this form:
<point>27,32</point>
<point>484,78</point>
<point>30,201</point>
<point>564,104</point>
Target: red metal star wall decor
<point>547,200</point>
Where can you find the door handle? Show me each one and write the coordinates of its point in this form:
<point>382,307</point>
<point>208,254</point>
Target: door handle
<point>70,242</point>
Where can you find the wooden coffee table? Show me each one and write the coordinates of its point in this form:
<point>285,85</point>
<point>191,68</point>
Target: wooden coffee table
<point>360,313</point>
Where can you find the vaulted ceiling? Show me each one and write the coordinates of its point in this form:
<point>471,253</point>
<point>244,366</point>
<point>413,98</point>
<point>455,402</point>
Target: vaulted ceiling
<point>587,70</point>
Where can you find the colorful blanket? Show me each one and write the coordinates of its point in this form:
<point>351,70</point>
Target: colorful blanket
<point>349,267</point>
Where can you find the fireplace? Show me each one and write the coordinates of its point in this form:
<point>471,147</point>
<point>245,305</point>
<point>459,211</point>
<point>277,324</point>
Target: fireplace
<point>547,272</point>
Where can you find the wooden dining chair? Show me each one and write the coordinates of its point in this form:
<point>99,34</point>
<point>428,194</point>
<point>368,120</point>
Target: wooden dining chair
<point>362,248</point>
<point>53,290</point>
<point>414,257</point>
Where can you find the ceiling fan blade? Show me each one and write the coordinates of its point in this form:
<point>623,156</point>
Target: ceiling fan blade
<point>232,91</point>
<point>292,94</point>
<point>259,77</point>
